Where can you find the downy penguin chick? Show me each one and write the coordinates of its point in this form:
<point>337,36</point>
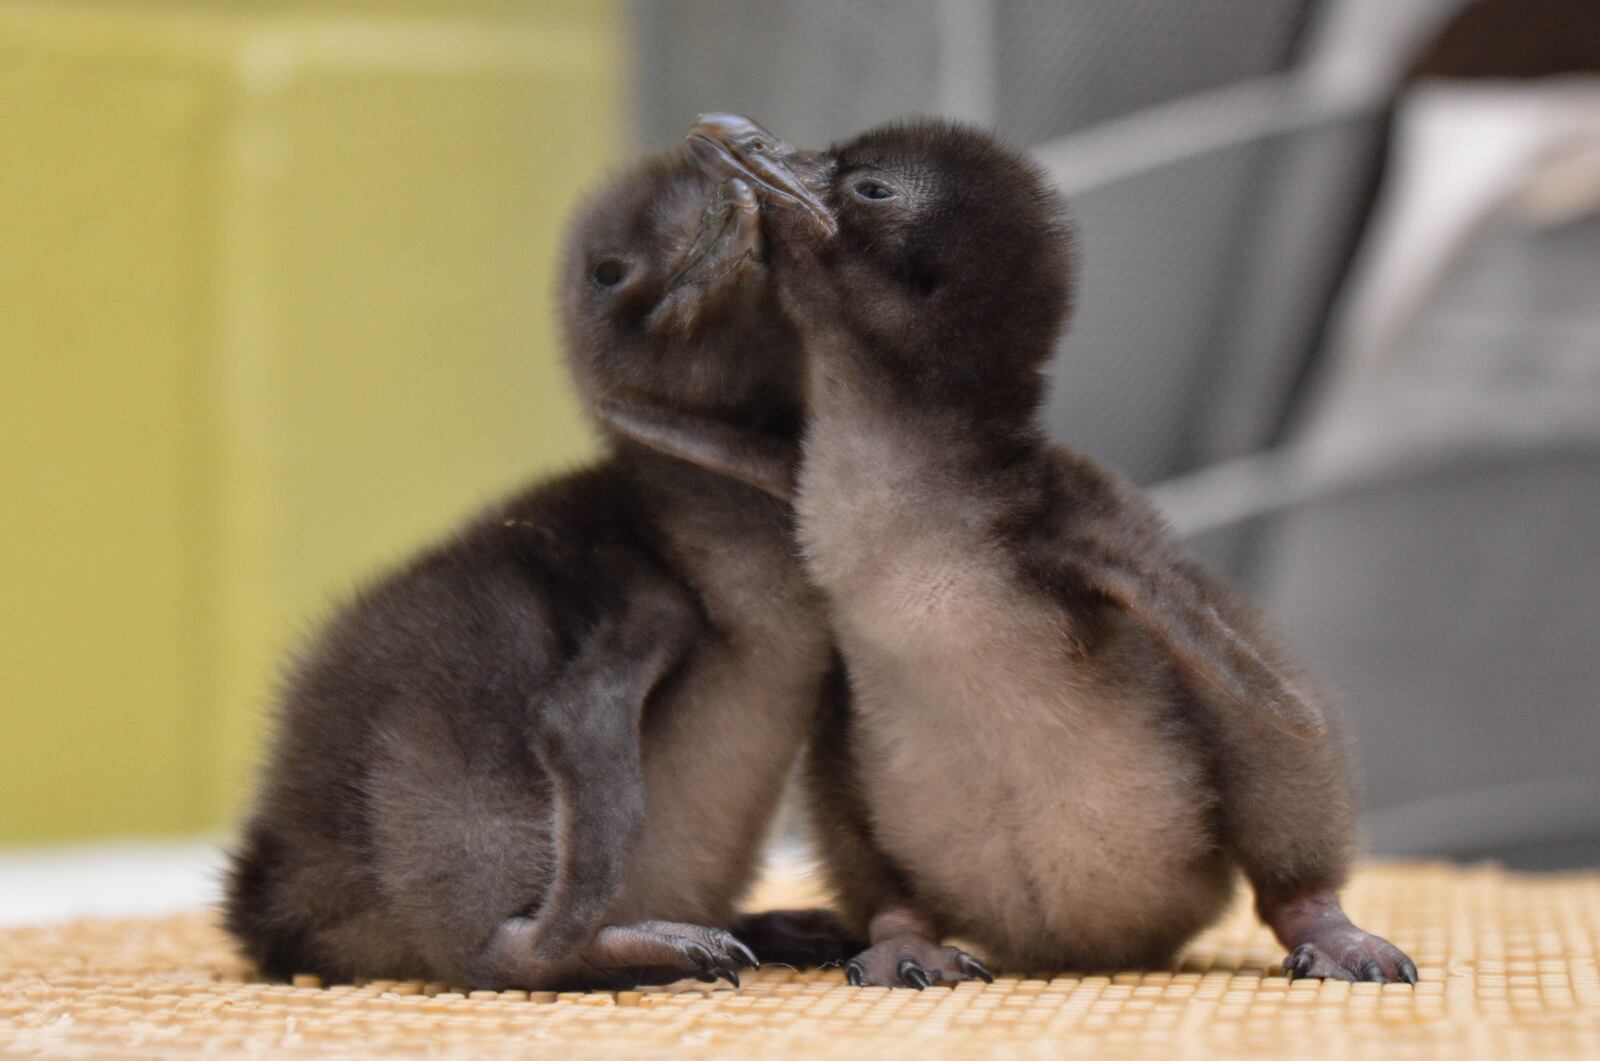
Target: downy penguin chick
<point>545,752</point>
<point>1063,736</point>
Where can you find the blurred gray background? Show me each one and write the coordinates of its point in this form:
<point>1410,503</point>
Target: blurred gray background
<point>1340,267</point>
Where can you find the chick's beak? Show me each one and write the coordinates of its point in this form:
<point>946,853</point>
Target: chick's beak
<point>731,145</point>
<point>728,240</point>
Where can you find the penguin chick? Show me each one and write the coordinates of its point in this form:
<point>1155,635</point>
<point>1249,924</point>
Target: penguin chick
<point>1063,734</point>
<point>544,753</point>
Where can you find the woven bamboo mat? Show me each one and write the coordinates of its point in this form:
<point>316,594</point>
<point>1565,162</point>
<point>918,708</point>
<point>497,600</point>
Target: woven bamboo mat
<point>1508,969</point>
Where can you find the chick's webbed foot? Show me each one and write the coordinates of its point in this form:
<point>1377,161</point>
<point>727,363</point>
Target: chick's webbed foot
<point>801,938</point>
<point>1348,953</point>
<point>659,952</point>
<point>1324,944</point>
<point>913,961</point>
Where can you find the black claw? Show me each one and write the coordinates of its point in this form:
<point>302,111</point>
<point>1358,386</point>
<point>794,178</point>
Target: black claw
<point>1298,964</point>
<point>854,974</point>
<point>702,957</point>
<point>1372,971</point>
<point>743,953</point>
<point>913,974</point>
<point>973,967</point>
<point>1408,970</point>
<point>732,976</point>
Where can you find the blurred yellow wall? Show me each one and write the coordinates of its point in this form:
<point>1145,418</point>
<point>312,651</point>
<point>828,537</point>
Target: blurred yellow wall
<point>275,305</point>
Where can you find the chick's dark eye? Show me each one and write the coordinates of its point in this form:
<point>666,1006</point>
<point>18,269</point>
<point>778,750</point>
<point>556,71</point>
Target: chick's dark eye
<point>873,191</point>
<point>609,273</point>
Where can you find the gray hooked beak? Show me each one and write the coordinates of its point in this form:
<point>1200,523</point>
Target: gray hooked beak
<point>731,145</point>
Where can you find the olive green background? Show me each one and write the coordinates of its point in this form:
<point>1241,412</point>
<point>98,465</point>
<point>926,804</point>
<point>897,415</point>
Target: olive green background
<point>275,305</point>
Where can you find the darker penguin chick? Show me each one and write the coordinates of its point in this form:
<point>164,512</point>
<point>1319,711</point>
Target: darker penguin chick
<point>1063,735</point>
<point>545,752</point>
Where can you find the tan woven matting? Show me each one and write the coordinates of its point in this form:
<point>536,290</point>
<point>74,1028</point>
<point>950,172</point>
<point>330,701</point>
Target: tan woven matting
<point>1507,962</point>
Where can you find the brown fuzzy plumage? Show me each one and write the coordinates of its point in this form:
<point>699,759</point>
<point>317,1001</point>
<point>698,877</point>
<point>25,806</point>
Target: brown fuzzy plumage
<point>1063,735</point>
<point>543,753</point>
